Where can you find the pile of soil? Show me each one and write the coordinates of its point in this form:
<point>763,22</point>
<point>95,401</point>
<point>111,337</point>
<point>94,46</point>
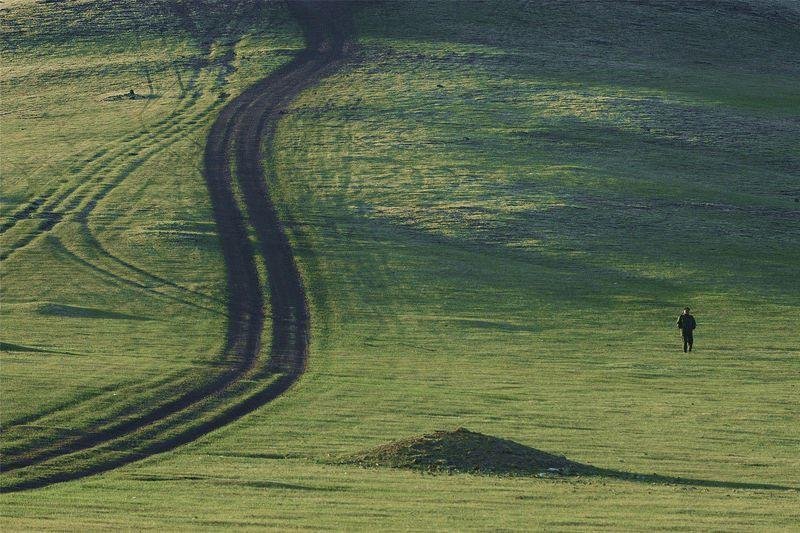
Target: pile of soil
<point>463,450</point>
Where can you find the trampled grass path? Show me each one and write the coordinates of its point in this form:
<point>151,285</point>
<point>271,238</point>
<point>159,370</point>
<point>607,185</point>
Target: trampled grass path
<point>89,166</point>
<point>95,182</point>
<point>89,163</point>
<point>250,381</point>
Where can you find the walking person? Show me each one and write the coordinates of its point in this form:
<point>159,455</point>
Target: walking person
<point>686,324</point>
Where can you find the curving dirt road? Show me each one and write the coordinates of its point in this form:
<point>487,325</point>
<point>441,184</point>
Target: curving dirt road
<point>235,137</point>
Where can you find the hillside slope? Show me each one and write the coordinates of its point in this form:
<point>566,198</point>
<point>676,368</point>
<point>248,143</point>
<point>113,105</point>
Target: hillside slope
<point>498,209</point>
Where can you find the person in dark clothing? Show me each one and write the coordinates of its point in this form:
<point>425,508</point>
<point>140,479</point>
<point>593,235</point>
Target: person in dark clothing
<point>686,324</point>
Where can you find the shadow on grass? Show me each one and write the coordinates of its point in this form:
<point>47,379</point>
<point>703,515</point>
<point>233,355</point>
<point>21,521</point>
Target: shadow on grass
<point>9,347</point>
<point>72,311</point>
<point>587,470</point>
<point>464,451</point>
<point>258,484</point>
<point>285,486</point>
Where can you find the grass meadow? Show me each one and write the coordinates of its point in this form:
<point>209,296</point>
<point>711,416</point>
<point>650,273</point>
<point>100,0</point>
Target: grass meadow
<point>120,302</point>
<point>498,210</point>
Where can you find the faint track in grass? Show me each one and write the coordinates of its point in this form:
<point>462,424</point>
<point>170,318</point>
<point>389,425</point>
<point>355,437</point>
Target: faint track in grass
<point>102,271</point>
<point>57,203</point>
<point>92,155</point>
<point>89,236</point>
<point>250,382</point>
<point>87,158</point>
<point>167,132</point>
<point>172,135</point>
<point>85,194</point>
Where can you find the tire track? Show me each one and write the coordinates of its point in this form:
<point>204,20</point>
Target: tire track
<point>120,147</point>
<point>87,158</point>
<point>93,243</point>
<point>58,202</point>
<point>157,139</point>
<point>240,126</point>
<point>65,203</point>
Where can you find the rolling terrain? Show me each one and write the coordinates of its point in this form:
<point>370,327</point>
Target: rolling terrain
<point>484,214</point>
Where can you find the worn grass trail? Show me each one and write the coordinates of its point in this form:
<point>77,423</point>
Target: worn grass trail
<point>95,181</point>
<point>127,436</point>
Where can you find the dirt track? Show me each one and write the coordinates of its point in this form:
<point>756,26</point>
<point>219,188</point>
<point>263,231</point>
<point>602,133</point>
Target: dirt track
<point>237,133</point>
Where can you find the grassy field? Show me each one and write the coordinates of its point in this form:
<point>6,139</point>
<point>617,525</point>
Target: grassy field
<point>498,210</point>
<point>113,283</point>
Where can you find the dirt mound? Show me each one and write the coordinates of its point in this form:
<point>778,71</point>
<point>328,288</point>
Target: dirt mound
<point>463,450</point>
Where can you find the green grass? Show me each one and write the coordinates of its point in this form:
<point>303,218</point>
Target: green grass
<point>113,311</point>
<point>498,210</point>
